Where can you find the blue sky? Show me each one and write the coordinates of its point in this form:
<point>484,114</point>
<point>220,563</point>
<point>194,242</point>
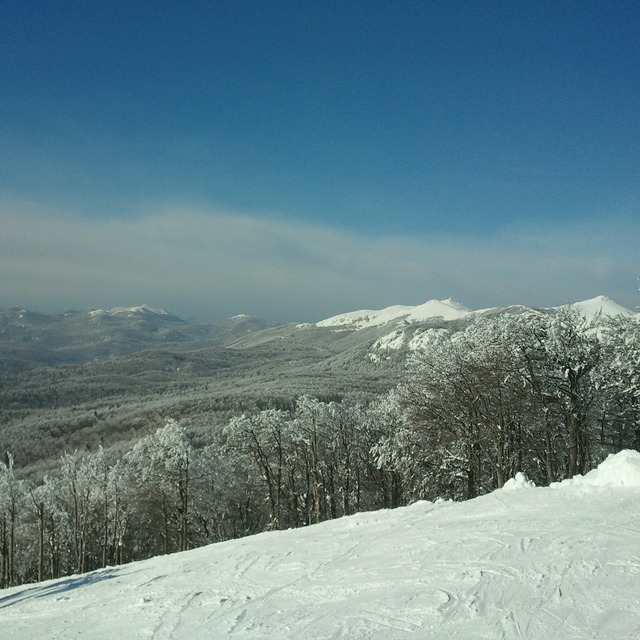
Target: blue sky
<point>297,159</point>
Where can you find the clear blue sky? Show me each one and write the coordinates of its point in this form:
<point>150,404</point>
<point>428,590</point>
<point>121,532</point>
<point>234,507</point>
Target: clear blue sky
<point>296,159</point>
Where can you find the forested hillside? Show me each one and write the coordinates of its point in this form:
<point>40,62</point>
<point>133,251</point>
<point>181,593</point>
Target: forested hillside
<point>112,400</point>
<point>160,451</point>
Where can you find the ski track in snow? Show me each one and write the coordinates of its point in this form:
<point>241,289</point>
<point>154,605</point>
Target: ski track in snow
<point>557,563</point>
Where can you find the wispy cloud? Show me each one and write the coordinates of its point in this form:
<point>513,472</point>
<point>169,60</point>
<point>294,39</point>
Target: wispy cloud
<point>212,264</point>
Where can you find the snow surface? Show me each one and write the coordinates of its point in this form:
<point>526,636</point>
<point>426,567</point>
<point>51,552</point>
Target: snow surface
<point>542,563</point>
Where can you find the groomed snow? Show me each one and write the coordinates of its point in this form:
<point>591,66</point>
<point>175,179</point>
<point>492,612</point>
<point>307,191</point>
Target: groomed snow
<point>559,563</point>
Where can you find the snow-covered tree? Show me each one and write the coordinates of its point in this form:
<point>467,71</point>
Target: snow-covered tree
<point>47,506</point>
<point>562,357</point>
<point>80,497</point>
<point>11,490</point>
<point>463,394</point>
<point>265,439</point>
<point>402,472</point>
<point>509,393</point>
<point>159,467</point>
<point>619,382</point>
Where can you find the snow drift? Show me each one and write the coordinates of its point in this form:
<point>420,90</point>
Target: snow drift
<point>559,562</point>
<point>622,469</point>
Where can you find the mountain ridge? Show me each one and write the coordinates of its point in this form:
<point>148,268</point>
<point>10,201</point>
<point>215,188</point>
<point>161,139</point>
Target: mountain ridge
<point>450,309</point>
<point>68,337</point>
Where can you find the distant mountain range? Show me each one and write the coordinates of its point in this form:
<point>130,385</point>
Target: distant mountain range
<point>28,338</point>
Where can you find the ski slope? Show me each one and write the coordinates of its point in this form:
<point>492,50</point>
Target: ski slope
<point>560,562</point>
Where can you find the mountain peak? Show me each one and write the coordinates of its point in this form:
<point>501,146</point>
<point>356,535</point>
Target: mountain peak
<point>599,306</point>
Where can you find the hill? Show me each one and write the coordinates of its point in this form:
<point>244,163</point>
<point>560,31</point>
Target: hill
<point>557,562</point>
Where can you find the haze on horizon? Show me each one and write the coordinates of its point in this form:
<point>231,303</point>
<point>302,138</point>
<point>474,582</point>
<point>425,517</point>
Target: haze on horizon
<point>298,160</point>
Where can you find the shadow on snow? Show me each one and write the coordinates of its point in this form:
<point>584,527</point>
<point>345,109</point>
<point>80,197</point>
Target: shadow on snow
<point>60,586</point>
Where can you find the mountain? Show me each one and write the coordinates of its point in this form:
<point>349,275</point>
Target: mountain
<point>29,339</point>
<point>600,306</point>
<point>134,312</point>
<point>557,562</point>
<point>51,339</point>
<point>401,328</point>
<point>446,309</point>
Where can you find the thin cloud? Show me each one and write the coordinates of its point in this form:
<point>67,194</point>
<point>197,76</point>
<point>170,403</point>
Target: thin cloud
<point>215,264</point>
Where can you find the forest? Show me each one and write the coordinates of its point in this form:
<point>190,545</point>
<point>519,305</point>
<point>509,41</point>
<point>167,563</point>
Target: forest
<point>546,394</point>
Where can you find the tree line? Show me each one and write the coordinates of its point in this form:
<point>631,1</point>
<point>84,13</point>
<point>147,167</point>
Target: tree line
<point>547,394</point>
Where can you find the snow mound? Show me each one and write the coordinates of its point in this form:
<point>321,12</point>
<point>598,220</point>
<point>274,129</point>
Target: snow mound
<point>618,470</point>
<point>519,481</point>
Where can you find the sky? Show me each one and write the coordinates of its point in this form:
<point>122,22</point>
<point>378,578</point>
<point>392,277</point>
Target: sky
<point>298,159</point>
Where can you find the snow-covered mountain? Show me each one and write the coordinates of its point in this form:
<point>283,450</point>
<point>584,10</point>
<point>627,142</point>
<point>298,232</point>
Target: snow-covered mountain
<point>451,310</point>
<point>601,306</point>
<point>130,312</point>
<point>558,562</point>
<point>447,309</point>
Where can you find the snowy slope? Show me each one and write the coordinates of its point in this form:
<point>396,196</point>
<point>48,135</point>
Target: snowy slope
<point>557,563</point>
